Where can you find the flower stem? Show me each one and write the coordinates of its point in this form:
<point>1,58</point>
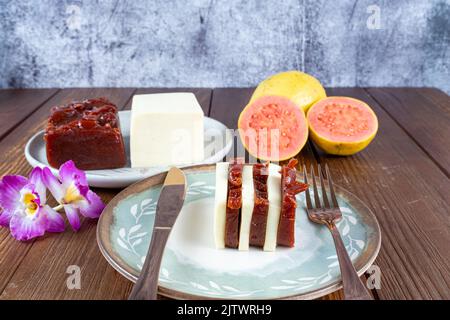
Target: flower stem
<point>59,207</point>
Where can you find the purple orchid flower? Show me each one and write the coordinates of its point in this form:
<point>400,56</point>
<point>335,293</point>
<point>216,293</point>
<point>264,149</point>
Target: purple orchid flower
<point>23,207</point>
<point>72,192</point>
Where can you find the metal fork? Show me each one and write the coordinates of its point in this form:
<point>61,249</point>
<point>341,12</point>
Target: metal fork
<point>328,214</point>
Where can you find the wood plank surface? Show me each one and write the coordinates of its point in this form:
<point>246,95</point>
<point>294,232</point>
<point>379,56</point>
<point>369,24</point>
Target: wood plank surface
<point>426,122</point>
<point>38,278</point>
<point>37,269</point>
<point>17,104</point>
<point>402,176</point>
<point>409,195</point>
<point>439,98</point>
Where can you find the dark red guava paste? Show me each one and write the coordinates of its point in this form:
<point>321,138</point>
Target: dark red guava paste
<point>261,205</point>
<point>234,203</point>
<point>289,188</point>
<point>87,132</point>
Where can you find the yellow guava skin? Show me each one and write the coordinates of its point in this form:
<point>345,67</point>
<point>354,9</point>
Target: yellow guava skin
<point>303,89</point>
<point>341,148</point>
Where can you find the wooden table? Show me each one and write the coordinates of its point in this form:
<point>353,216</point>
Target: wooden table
<point>403,176</point>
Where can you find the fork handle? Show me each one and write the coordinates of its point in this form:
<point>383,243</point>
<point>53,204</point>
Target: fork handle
<point>354,289</point>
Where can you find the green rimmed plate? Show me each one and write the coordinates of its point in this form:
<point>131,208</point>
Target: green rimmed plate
<point>193,268</point>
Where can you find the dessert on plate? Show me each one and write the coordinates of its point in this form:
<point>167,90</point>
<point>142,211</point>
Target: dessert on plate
<point>255,205</point>
<point>87,132</point>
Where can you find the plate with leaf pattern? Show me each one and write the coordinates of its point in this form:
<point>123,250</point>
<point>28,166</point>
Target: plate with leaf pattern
<point>193,268</point>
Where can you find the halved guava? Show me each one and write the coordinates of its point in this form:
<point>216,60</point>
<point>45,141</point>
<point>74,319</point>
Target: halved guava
<point>273,128</point>
<point>342,125</point>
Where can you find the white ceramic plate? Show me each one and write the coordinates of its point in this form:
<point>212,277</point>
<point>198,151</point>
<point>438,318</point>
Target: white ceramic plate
<point>218,142</point>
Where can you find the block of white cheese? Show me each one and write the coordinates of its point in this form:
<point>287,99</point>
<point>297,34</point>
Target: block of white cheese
<point>220,203</point>
<point>166,129</point>
<point>273,215</point>
<point>247,207</point>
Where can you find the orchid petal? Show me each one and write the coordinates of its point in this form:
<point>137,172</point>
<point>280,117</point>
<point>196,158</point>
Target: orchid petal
<point>15,182</point>
<point>36,178</point>
<point>52,183</point>
<point>69,173</point>
<point>5,214</point>
<point>9,191</point>
<point>23,227</point>
<point>55,222</point>
<point>10,187</point>
<point>82,189</point>
<point>93,207</point>
<point>72,216</point>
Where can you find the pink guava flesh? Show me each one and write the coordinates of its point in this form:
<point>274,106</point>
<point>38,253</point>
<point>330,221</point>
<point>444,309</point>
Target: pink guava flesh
<point>273,128</point>
<point>342,119</point>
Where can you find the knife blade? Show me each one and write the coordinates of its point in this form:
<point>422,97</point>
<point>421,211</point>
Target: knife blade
<point>169,205</point>
<point>171,199</point>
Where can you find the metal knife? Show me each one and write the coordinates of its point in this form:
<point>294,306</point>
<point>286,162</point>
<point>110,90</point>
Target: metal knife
<point>169,206</point>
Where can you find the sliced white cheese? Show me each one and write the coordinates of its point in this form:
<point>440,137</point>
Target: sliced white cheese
<point>273,216</point>
<point>166,129</point>
<point>247,207</point>
<point>220,203</point>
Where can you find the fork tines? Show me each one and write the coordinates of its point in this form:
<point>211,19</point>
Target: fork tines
<point>317,202</point>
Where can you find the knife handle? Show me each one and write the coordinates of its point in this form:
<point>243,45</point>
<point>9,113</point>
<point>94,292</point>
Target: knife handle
<point>146,286</point>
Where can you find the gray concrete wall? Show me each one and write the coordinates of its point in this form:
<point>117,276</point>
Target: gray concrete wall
<point>208,43</point>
